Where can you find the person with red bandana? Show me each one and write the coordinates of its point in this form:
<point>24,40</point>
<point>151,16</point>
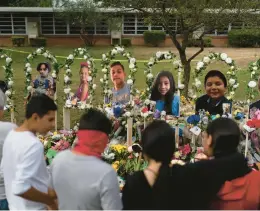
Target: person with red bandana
<point>81,180</point>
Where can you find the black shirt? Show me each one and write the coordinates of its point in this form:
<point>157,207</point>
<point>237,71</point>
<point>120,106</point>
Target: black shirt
<point>205,103</point>
<point>190,187</point>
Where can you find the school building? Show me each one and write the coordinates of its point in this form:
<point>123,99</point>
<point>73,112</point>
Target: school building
<point>32,22</point>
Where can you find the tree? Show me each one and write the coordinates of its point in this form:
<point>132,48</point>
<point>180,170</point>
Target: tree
<point>196,18</point>
<point>83,14</point>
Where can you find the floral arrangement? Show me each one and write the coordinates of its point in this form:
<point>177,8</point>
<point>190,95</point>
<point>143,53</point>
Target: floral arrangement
<point>68,74</point>
<point>28,68</point>
<point>9,80</point>
<point>187,106</point>
<point>124,161</point>
<point>57,141</point>
<point>254,68</point>
<point>105,64</point>
<point>149,65</point>
<point>231,74</point>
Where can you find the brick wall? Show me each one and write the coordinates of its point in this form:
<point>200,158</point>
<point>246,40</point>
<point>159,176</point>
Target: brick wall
<point>75,41</point>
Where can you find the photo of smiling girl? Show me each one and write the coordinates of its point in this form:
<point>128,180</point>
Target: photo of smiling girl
<point>163,92</point>
<point>215,84</point>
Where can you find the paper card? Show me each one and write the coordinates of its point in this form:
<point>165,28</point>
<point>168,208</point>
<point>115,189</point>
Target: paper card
<point>195,130</point>
<point>226,108</point>
<point>51,153</point>
<point>248,129</point>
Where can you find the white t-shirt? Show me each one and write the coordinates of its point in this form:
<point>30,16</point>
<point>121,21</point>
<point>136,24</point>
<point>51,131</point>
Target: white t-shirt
<point>5,128</point>
<point>24,167</point>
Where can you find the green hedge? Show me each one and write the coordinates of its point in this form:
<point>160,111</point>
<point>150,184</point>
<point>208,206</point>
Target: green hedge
<point>38,42</point>
<point>196,43</point>
<point>244,38</point>
<point>126,42</point>
<point>18,40</point>
<point>154,38</point>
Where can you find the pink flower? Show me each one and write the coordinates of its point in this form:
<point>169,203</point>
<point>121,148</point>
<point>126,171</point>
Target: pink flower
<point>144,110</point>
<point>185,150</point>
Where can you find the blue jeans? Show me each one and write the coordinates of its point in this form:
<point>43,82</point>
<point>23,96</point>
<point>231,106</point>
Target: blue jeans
<point>4,204</point>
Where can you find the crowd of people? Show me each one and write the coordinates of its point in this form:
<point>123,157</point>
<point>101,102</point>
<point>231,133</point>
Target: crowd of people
<point>78,179</point>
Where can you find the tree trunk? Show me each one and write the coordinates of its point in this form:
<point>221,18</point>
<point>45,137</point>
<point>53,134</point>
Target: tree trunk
<point>186,77</point>
<point>187,69</point>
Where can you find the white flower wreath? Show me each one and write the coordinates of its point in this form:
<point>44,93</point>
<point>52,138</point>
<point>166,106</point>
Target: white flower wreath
<point>28,68</point>
<point>254,68</point>
<point>78,52</point>
<point>105,64</point>
<point>168,55</point>
<point>9,80</point>
<point>231,74</point>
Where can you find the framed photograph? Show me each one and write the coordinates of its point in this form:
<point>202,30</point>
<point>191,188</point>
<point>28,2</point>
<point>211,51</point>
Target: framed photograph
<point>226,108</point>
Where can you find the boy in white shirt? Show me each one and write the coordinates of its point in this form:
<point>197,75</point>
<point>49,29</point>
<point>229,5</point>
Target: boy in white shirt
<point>5,128</point>
<point>25,173</point>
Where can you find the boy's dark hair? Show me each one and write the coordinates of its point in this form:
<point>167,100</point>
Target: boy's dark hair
<point>215,73</point>
<point>47,65</point>
<point>158,141</point>
<point>40,104</point>
<point>94,119</point>
<point>3,86</point>
<point>225,136</point>
<point>117,63</point>
<point>156,95</point>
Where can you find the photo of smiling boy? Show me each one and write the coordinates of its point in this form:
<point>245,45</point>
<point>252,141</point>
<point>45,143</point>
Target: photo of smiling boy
<point>215,84</point>
<point>121,90</point>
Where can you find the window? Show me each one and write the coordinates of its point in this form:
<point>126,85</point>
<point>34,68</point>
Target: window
<point>47,24</point>
<point>237,25</point>
<point>60,26</point>
<point>129,24</point>
<point>5,24</point>
<point>158,28</point>
<point>90,29</point>
<point>141,27</point>
<point>74,29</point>
<point>19,24</point>
<point>12,24</point>
<point>102,27</point>
<point>174,25</point>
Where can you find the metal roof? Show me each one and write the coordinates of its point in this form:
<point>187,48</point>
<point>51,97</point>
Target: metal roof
<point>46,9</point>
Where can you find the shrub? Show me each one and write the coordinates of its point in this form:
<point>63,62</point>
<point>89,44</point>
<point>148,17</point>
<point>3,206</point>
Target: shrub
<point>196,43</point>
<point>18,40</point>
<point>244,38</point>
<point>38,42</point>
<point>154,38</point>
<point>126,42</point>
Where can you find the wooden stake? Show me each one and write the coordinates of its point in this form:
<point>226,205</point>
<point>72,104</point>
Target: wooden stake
<point>56,113</point>
<point>129,131</point>
<point>177,137</point>
<point>66,119</point>
<point>246,147</point>
<point>12,116</point>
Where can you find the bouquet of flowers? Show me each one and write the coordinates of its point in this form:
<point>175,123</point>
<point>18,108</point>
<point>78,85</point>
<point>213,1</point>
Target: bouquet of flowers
<point>124,161</point>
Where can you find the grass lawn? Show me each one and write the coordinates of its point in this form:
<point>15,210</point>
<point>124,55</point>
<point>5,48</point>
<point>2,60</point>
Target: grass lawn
<point>241,56</point>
